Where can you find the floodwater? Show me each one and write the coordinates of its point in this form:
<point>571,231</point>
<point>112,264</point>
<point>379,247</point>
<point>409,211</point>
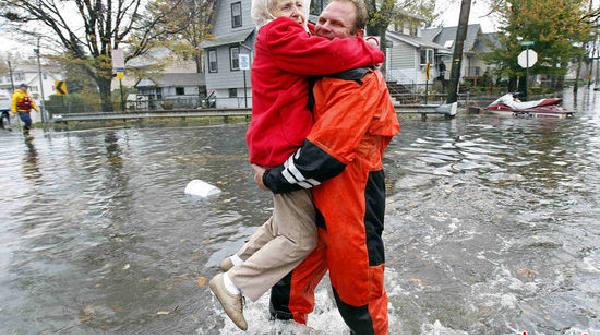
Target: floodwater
<point>492,227</point>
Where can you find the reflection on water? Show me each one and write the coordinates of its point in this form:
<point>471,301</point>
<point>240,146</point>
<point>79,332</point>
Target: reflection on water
<point>30,162</point>
<point>492,228</point>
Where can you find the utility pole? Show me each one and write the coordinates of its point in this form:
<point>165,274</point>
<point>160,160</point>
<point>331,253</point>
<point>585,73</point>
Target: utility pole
<point>42,103</point>
<point>597,65</point>
<point>12,82</point>
<point>590,60</point>
<point>461,35</point>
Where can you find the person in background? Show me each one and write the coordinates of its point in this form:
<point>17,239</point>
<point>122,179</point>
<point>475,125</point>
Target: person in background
<point>22,104</point>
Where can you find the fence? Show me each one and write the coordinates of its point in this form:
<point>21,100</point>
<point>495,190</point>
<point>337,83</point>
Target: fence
<point>143,103</point>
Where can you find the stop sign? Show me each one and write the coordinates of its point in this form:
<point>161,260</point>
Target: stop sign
<point>523,60</point>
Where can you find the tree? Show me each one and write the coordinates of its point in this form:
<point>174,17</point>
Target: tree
<point>194,21</point>
<point>555,26</point>
<point>3,68</point>
<point>107,25</point>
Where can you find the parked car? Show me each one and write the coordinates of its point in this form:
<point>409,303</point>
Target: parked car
<point>4,109</point>
<point>137,102</point>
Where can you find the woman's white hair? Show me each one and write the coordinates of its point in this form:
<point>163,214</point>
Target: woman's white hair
<point>261,12</point>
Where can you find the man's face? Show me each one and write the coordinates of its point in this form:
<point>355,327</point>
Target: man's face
<point>337,20</point>
<point>293,9</point>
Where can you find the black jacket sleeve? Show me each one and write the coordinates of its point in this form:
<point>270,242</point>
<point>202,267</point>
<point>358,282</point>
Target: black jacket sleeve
<point>307,167</point>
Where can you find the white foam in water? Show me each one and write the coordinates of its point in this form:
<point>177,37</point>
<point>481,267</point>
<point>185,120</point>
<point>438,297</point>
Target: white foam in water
<point>437,329</point>
<point>577,331</point>
<point>324,320</point>
<point>201,188</point>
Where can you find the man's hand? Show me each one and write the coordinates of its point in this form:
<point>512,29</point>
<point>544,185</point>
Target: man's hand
<point>372,41</point>
<point>258,177</point>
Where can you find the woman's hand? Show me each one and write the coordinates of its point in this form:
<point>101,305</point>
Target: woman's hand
<point>258,176</point>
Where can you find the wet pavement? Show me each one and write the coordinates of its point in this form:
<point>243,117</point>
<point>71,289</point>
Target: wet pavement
<point>492,227</point>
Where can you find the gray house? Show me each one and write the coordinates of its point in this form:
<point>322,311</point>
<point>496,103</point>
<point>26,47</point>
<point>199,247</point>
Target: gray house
<point>165,76</point>
<point>476,43</point>
<point>234,34</point>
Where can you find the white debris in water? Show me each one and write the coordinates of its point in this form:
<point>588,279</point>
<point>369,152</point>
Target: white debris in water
<point>453,225</point>
<point>438,329</point>
<point>201,188</point>
<point>509,300</point>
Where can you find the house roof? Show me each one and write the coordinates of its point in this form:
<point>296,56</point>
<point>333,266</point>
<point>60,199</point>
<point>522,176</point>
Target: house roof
<point>173,79</point>
<point>487,42</point>
<point>442,34</point>
<point>430,33</point>
<point>236,37</point>
<point>151,57</point>
<point>417,42</point>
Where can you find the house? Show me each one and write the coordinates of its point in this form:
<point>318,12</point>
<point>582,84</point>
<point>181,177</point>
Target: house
<point>25,73</point>
<point>164,76</point>
<point>408,53</point>
<point>476,43</point>
<point>28,74</point>
<point>233,34</point>
<point>407,58</point>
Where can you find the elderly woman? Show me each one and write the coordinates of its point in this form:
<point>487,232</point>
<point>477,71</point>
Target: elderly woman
<point>285,56</point>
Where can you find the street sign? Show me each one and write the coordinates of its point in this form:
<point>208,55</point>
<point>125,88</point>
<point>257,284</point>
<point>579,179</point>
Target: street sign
<point>244,62</point>
<point>120,75</point>
<point>61,88</point>
<point>526,43</point>
<point>118,61</point>
<point>527,58</point>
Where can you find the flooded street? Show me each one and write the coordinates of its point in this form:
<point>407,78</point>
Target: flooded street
<point>492,227</point>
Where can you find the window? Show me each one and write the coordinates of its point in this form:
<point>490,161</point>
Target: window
<point>202,62</point>
<point>45,76</point>
<point>236,14</point>
<point>234,58</point>
<point>34,88</point>
<point>426,56</point>
<point>179,91</point>
<point>19,76</point>
<point>212,61</point>
<point>233,92</point>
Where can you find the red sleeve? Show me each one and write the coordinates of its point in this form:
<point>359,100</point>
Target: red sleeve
<point>292,49</point>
